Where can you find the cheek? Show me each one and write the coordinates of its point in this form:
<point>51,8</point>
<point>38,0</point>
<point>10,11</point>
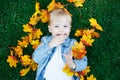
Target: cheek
<point>68,30</point>
<point>49,28</point>
<point>52,30</point>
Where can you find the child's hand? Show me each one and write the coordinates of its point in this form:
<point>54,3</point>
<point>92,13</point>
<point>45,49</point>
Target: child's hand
<point>69,60</point>
<point>57,41</point>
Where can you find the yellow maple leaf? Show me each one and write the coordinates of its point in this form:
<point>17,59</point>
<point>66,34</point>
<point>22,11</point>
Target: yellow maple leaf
<point>44,16</point>
<point>30,36</point>
<point>88,31</point>
<point>68,71</point>
<point>12,61</point>
<point>37,6</point>
<point>94,24</point>
<point>79,3</point>
<point>91,32</point>
<point>78,50</point>
<point>23,43</point>
<point>79,32</point>
<point>25,60</point>
<point>18,51</point>
<point>35,18</point>
<point>91,77</point>
<point>78,45</point>
<point>82,77</point>
<point>27,28</point>
<point>33,21</point>
<point>25,38</point>
<point>33,65</point>
<point>35,43</point>
<point>23,72</point>
<point>87,40</point>
<point>53,5</point>
<point>59,5</point>
<point>37,33</point>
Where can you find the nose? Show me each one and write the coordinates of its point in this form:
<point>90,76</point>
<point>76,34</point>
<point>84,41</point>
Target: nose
<point>61,29</point>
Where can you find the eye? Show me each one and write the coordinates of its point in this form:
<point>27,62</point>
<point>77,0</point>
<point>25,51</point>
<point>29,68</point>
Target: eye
<point>65,26</point>
<point>56,26</point>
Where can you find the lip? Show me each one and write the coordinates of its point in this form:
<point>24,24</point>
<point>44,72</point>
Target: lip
<point>61,34</point>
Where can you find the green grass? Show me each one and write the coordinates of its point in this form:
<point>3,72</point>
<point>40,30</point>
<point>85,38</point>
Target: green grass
<point>103,57</point>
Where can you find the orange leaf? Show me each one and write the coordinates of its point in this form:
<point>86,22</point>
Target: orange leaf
<point>88,31</point>
<point>18,51</point>
<point>30,36</point>
<point>23,43</point>
<point>95,34</point>
<point>71,1</point>
<point>44,16</point>
<point>23,72</point>
<point>78,50</point>
<point>37,33</point>
<point>85,71</point>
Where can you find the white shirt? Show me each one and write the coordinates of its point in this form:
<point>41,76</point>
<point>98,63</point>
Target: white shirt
<point>54,68</point>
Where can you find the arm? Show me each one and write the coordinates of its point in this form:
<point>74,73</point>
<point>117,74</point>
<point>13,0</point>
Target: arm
<point>42,50</point>
<point>80,64</point>
<point>39,53</point>
<point>46,47</point>
<point>75,64</point>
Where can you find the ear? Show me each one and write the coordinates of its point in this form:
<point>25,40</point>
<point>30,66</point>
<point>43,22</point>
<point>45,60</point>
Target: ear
<point>49,28</point>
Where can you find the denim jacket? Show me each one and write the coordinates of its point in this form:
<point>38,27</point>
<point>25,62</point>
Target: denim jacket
<point>43,54</point>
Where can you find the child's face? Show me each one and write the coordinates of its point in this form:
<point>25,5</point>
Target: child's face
<point>60,26</point>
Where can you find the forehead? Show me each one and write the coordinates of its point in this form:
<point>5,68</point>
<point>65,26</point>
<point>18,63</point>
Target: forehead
<point>61,22</point>
<point>59,19</point>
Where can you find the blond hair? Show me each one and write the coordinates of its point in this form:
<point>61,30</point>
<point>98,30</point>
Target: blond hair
<point>58,13</point>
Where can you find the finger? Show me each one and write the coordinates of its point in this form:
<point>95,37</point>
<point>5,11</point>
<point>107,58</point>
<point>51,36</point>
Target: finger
<point>56,43</point>
<point>62,37</point>
<point>61,40</point>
